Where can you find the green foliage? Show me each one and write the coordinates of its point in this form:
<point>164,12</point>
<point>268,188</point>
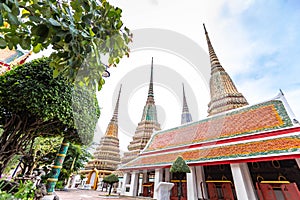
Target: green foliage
<point>110,179</point>
<point>179,166</point>
<point>40,153</point>
<point>79,32</point>
<point>25,191</point>
<point>31,90</point>
<point>6,196</point>
<point>75,158</point>
<point>12,164</point>
<point>33,103</point>
<point>59,185</point>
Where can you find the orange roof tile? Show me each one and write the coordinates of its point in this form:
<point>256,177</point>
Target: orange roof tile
<point>233,152</point>
<point>266,116</point>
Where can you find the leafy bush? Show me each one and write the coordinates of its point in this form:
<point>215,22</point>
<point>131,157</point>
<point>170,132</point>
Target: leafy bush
<point>59,185</point>
<point>25,191</point>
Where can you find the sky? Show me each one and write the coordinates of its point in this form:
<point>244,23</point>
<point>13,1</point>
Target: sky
<point>256,41</point>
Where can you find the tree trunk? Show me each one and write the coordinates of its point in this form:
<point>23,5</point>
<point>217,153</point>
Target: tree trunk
<point>14,139</point>
<point>19,131</point>
<point>180,186</point>
<point>110,187</point>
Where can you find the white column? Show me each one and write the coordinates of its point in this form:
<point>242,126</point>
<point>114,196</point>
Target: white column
<point>125,180</point>
<point>157,180</point>
<point>167,174</point>
<point>145,176</point>
<point>201,189</point>
<point>298,162</point>
<point>191,184</point>
<point>134,184</point>
<point>242,181</point>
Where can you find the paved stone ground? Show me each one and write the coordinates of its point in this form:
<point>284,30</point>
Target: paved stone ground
<point>77,194</point>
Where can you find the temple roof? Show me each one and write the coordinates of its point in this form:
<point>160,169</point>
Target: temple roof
<point>251,132</point>
<point>10,58</point>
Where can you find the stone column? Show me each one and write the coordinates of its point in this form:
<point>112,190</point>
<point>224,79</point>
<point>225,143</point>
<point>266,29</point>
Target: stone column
<point>242,181</point>
<point>157,179</point>
<point>201,184</point>
<point>167,175</point>
<point>134,184</point>
<point>125,180</point>
<point>191,184</point>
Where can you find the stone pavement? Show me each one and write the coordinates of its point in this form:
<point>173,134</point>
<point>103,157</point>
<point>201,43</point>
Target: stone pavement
<point>78,194</point>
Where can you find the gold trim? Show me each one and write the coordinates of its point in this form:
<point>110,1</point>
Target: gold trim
<point>218,181</point>
<point>52,179</point>
<point>65,144</point>
<point>259,177</point>
<point>277,166</point>
<point>61,155</point>
<point>57,167</point>
<point>280,182</point>
<point>177,181</point>
<point>283,178</point>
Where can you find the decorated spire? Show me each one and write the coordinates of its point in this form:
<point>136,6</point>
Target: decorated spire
<point>146,126</point>
<point>112,128</point>
<point>214,61</point>
<point>223,93</point>
<point>150,113</point>
<point>150,92</point>
<point>186,115</point>
<point>115,115</point>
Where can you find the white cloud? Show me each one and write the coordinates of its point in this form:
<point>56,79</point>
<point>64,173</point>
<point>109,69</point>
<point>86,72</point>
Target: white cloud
<point>241,38</point>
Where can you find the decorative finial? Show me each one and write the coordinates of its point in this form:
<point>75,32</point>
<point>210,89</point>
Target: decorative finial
<point>150,92</point>
<point>204,28</point>
<point>281,92</point>
<point>115,116</point>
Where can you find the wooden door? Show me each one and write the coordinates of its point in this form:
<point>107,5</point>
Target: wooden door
<point>227,191</point>
<point>290,191</point>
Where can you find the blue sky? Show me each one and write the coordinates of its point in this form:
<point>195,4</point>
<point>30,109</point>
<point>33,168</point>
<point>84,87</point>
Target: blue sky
<point>257,42</point>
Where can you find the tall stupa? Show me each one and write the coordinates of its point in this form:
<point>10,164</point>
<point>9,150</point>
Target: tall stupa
<point>146,126</point>
<point>107,154</point>
<point>223,93</point>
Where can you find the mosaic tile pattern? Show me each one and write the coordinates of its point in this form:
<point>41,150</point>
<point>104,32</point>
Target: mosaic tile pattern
<point>278,146</point>
<point>266,116</point>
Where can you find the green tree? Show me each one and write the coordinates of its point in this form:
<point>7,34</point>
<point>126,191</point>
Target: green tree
<point>33,103</point>
<point>111,179</point>
<point>38,153</point>
<point>78,32</point>
<point>75,159</point>
<point>180,168</point>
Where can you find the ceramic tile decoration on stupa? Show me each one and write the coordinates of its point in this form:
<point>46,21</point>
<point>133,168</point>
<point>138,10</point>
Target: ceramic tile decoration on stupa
<point>146,126</point>
<point>107,154</point>
<point>223,93</point>
<point>240,151</point>
<point>186,116</point>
